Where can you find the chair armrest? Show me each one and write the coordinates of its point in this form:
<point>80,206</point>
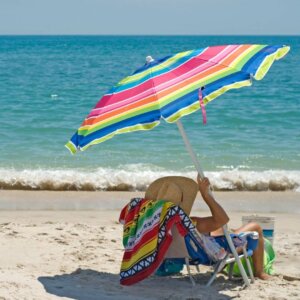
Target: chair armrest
<point>250,234</point>
<point>252,239</point>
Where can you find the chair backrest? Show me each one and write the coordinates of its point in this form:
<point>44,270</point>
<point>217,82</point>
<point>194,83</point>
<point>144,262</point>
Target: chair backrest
<point>195,250</point>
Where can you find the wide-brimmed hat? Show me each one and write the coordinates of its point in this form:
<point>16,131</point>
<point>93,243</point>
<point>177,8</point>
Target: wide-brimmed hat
<point>178,189</point>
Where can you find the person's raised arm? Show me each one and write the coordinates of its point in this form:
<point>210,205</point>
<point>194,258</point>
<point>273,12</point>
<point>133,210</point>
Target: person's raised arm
<point>219,216</point>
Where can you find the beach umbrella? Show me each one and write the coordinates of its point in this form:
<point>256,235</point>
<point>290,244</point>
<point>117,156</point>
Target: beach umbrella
<point>172,87</point>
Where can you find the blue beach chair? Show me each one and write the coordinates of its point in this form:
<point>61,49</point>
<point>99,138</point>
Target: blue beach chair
<point>189,251</point>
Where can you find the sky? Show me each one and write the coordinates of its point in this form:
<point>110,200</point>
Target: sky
<point>158,17</point>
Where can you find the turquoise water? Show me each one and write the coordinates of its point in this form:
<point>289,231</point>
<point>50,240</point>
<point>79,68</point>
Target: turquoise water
<point>50,83</point>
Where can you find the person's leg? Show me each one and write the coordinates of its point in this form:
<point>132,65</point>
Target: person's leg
<point>258,253</point>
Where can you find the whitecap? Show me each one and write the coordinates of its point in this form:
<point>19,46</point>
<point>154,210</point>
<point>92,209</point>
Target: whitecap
<point>137,177</point>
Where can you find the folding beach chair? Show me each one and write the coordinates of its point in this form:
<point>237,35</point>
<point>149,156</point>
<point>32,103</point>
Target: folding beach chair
<point>188,249</point>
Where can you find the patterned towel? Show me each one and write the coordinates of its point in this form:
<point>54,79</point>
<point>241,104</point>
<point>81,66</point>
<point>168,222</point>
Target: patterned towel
<point>147,236</point>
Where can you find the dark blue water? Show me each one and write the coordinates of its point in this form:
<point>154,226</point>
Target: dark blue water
<point>50,83</point>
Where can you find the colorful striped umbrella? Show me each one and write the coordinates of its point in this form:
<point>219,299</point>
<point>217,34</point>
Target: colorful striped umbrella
<point>172,87</point>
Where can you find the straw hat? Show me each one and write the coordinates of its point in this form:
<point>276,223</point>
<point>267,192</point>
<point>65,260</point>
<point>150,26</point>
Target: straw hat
<point>180,190</point>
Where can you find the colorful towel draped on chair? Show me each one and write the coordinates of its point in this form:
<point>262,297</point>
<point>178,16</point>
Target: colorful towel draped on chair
<point>147,236</point>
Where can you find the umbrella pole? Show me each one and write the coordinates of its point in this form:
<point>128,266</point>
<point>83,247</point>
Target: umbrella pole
<point>225,228</point>
<point>190,149</point>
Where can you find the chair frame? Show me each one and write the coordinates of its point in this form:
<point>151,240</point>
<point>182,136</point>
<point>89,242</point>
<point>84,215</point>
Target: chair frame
<point>219,265</point>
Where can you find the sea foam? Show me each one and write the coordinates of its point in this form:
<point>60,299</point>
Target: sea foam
<point>138,177</point>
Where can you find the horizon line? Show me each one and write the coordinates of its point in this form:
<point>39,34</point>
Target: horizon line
<point>125,34</point>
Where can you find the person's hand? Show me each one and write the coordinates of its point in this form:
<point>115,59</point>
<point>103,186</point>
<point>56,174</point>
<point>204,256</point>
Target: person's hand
<point>204,185</point>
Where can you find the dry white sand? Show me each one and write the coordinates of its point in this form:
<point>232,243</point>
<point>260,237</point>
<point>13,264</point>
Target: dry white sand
<point>68,254</point>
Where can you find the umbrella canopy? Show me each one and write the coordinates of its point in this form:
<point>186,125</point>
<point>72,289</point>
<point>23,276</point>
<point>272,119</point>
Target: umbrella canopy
<point>168,88</point>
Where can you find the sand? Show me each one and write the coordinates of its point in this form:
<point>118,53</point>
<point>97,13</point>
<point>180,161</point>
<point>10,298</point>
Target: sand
<point>71,248</point>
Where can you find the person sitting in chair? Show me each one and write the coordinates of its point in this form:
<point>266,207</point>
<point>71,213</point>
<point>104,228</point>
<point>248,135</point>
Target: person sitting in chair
<point>212,225</point>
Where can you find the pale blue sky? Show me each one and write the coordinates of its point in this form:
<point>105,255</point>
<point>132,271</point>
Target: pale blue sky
<point>150,17</point>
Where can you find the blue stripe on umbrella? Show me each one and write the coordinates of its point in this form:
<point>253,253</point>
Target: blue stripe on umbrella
<point>253,64</point>
<point>140,119</point>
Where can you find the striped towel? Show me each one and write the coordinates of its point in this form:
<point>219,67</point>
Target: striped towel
<point>147,236</point>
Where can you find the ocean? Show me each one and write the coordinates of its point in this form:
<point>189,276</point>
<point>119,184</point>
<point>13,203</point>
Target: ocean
<point>50,83</point>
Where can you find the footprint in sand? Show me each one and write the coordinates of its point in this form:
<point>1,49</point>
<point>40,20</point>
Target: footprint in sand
<point>4,224</point>
<point>60,241</point>
<point>290,278</point>
<point>49,222</point>
<point>20,266</point>
<point>13,234</point>
<point>90,247</point>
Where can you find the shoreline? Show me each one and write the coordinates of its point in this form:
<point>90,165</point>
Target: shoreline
<point>277,202</point>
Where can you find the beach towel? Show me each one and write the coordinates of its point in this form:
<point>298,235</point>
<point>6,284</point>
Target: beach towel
<point>147,236</point>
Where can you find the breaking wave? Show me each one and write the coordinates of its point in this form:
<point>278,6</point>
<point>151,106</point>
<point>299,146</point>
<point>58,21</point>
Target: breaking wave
<point>138,177</point>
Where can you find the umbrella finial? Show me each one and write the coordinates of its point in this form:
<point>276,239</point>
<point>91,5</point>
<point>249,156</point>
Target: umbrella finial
<point>149,59</point>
